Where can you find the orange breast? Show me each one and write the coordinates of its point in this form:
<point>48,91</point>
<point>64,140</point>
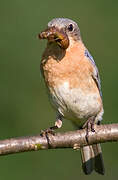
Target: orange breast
<point>71,65</point>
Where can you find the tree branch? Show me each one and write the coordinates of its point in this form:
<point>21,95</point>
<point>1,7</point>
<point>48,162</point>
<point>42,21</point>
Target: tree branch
<point>72,139</point>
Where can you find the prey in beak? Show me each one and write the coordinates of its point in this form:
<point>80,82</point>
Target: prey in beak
<point>53,34</point>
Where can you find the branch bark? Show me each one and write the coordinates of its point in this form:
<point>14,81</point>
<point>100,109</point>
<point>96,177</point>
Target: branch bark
<point>72,139</point>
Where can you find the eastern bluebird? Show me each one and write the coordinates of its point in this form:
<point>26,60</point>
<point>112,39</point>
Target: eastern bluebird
<point>73,84</point>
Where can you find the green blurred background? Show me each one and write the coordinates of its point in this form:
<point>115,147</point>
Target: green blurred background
<point>24,105</point>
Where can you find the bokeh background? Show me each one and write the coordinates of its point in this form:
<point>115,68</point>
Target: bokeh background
<point>24,105</point>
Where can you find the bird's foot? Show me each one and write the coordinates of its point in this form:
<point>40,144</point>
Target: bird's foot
<point>50,130</point>
<point>89,125</point>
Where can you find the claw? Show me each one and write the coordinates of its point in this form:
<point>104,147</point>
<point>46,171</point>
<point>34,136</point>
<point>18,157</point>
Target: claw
<point>90,126</point>
<point>47,131</point>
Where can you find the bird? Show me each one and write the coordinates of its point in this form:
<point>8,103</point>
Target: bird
<point>73,84</point>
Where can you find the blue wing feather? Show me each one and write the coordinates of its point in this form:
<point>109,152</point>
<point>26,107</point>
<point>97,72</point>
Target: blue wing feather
<point>96,76</point>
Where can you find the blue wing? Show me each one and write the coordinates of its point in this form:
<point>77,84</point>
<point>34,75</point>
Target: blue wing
<point>95,76</point>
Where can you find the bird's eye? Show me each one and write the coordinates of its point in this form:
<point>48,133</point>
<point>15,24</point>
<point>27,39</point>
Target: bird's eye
<point>70,27</point>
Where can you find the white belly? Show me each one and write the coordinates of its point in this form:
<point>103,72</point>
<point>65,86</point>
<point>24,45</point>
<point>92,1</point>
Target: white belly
<point>74,104</point>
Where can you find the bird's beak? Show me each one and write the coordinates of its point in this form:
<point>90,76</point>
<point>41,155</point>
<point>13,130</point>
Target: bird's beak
<point>55,35</point>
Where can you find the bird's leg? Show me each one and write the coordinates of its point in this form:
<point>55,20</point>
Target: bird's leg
<point>89,125</point>
<point>58,124</point>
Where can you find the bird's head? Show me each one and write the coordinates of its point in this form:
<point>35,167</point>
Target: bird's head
<point>61,31</point>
